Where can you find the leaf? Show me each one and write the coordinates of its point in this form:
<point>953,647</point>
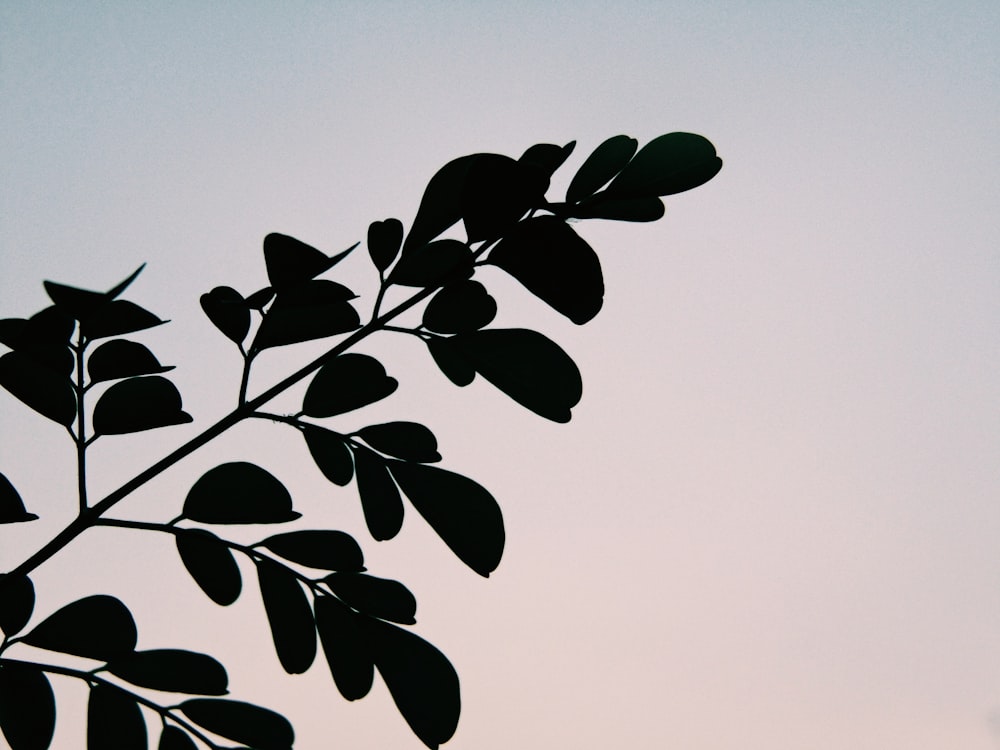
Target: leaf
<point>259,299</point>
<point>555,264</point>
<point>525,365</point>
<point>450,361</point>
<point>669,164</point>
<point>305,312</point>
<point>116,318</point>
<point>345,383</point>
<point>345,646</point>
<point>239,492</point>
<point>547,157</point>
<point>459,307</point>
<point>211,564</point>
<point>498,191</point>
<point>44,337</point>
<point>139,404</point>
<point>81,303</point>
<point>96,627</point>
<point>376,597</point>
<point>44,390</point>
<point>421,680</point>
<point>27,707</point>
<point>321,549</point>
<point>11,511</point>
<point>258,727</point>
<point>290,261</point>
<point>406,440</point>
<point>384,241</point>
<point>606,161</point>
<point>380,501</point>
<point>289,616</point>
<point>17,601</point>
<point>647,208</point>
<point>461,511</point>
<point>434,264</point>
<point>441,204</point>
<point>228,311</point>
<point>119,358</point>
<point>330,453</point>
<point>172,670</point>
<point>173,738</point>
<point>114,721</point>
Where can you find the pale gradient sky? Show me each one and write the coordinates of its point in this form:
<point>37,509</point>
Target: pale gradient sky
<point>774,521</point>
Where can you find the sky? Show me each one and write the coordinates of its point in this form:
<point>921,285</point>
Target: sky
<point>773,520</point>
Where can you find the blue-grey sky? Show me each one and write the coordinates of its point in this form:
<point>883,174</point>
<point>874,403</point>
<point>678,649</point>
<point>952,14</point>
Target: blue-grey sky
<point>773,522</point>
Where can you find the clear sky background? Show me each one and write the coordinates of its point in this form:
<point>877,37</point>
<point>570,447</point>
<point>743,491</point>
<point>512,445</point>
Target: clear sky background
<point>774,521</point>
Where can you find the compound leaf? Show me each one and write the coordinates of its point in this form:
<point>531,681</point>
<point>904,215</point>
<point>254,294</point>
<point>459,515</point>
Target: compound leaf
<point>239,492</point>
<point>27,708</point>
<point>139,404</point>
<point>289,616</point>
<point>258,727</point>
<point>96,627</point>
<point>211,564</point>
<point>345,383</point>
<point>172,670</point>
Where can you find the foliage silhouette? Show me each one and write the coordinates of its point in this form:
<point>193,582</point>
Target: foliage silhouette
<point>353,616</point>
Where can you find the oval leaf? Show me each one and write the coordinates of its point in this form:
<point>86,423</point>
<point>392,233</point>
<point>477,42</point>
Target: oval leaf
<point>461,511</point>
<point>441,204</point>
<point>173,738</point>
<point>606,161</point>
<point>289,615</point>
<point>258,727</point>
<point>376,597</point>
<point>321,549</point>
<point>555,264</point>
<point>669,164</point>
<point>406,440</point>
<point>380,501</point>
<point>228,311</point>
<point>11,510</point>
<point>96,627</point>
<point>384,240</point>
<point>647,208</point>
<point>435,264</point>
<point>345,383</point>
<point>527,366</point>
<point>421,680</point>
<point>139,404</point>
<point>239,492</point>
<point>114,721</point>
<point>330,453</point>
<point>211,564</point>
<point>27,708</point>
<point>172,670</point>
<point>345,646</point>
<point>459,307</point>
<point>17,601</point>
<point>44,390</point>
<point>122,359</point>
<point>116,318</point>
<point>450,361</point>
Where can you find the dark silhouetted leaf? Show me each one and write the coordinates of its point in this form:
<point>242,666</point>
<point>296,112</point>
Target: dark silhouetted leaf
<point>330,453</point>
<point>345,646</point>
<point>450,361</point>
<point>27,707</point>
<point>345,383</point>
<point>668,164</point>
<point>172,670</point>
<point>258,727</point>
<point>606,161</point>
<point>239,492</point>
<point>138,404</point>
<point>290,261</point>
<point>44,337</point>
<point>97,627</point>
<point>211,564</point>
<point>119,358</point>
<point>377,597</point>
<point>114,721</point>
<point>289,615</point>
<point>384,241</point>
<point>12,331</point>
<point>406,440</point>
<point>555,264</point>
<point>118,317</point>
<point>421,680</point>
<point>380,501</point>
<point>228,311</point>
<point>460,307</point>
<point>441,204</point>
<point>498,191</point>
<point>322,549</point>
<point>547,157</point>
<point>173,738</point>
<point>434,264</point>
<point>44,390</point>
<point>17,601</point>
<point>647,208</point>
<point>11,511</point>
<point>82,303</point>
<point>527,366</point>
<point>461,511</point>
<point>305,312</point>
<point>259,299</point>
